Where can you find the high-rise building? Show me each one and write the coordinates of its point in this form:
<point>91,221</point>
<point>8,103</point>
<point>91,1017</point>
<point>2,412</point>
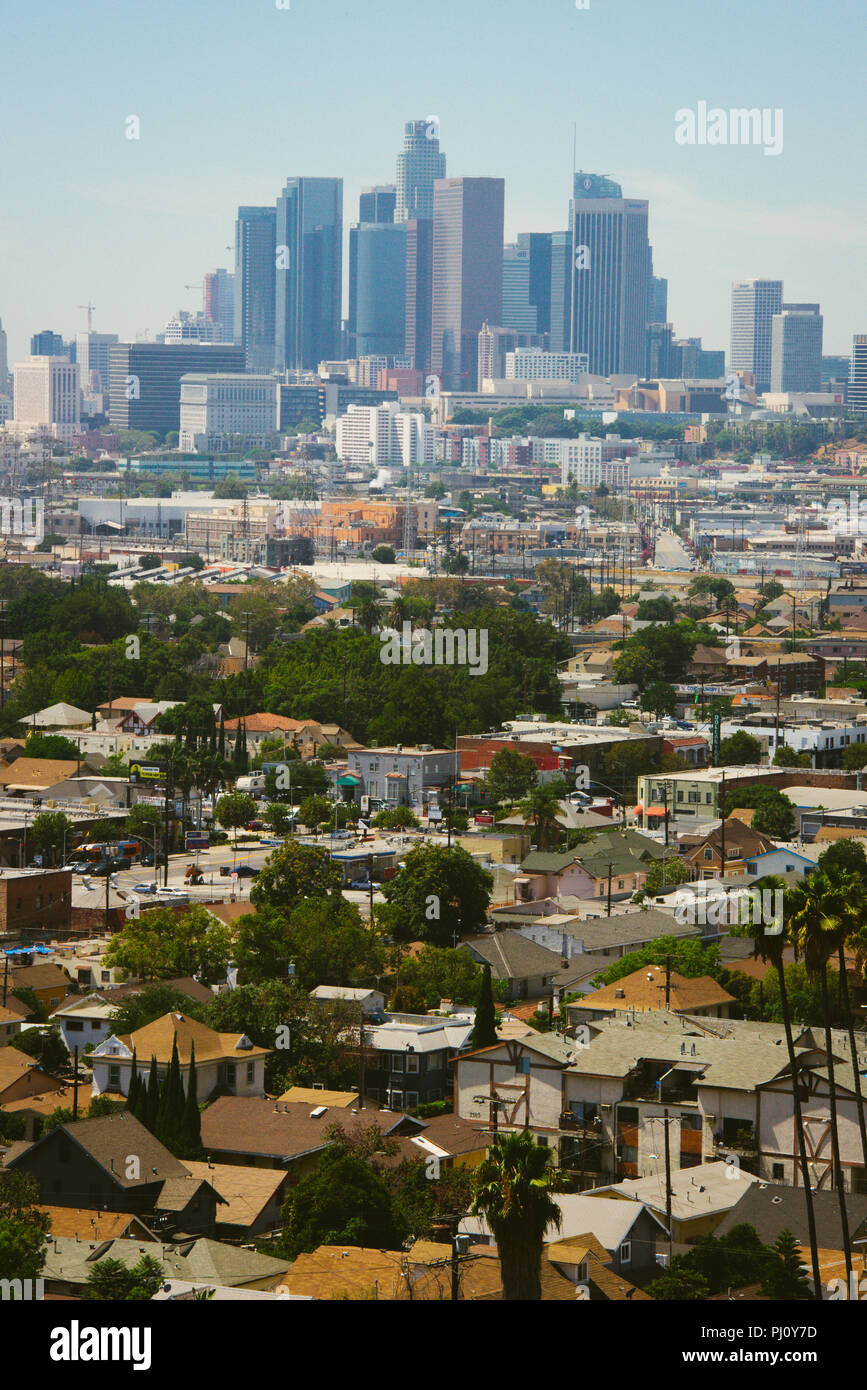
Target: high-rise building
<point>46,396</point>
<point>255,284</point>
<point>663,359</point>
<point>376,204</point>
<point>518,312</point>
<point>419,164</point>
<point>467,274</point>
<point>796,348</point>
<point>218,302</point>
<point>534,364</point>
<point>4,359</point>
<point>384,434</point>
<point>658,299</point>
<point>560,311</point>
<point>419,291</point>
<point>223,412</point>
<point>92,354</point>
<point>856,394</point>
<point>754,303</point>
<point>46,344</point>
<point>186,327</point>
<point>495,344</point>
<point>309,260</point>
<point>610,276</point>
<point>145,380</point>
<point>377,288</point>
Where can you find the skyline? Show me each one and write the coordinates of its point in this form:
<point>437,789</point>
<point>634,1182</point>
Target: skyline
<point>145,218</point>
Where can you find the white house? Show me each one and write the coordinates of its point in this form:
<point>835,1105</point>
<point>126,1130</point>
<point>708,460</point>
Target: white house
<point>229,1060</point>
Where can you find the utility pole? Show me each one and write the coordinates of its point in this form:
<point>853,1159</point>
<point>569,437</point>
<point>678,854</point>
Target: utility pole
<point>668,1193</point>
<point>75,1084</point>
<point>608,913</point>
<point>722,828</point>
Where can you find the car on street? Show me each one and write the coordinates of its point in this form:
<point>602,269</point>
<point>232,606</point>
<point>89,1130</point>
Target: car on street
<point>145,888</point>
<point>147,860</point>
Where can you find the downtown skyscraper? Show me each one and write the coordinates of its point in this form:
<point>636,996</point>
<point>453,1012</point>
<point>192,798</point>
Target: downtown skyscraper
<point>754,304</point>
<point>419,164</point>
<point>254,286</point>
<point>308,272</point>
<point>467,275</point>
<point>610,270</point>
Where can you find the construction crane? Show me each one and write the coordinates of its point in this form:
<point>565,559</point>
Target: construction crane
<point>90,308</point>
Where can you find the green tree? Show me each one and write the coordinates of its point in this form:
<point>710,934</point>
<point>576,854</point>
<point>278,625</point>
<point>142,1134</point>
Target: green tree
<point>787,757</point>
<point>543,807</point>
<point>23,1227</point>
<point>45,1045</point>
<point>741,750</point>
<point>656,610</point>
<point>510,776</point>
<point>147,1005</point>
<point>291,873</point>
<point>513,1191</point>
<point>277,817</point>
<point>439,895</point>
<point>383,554</point>
<point>49,832</point>
<point>775,813</point>
<point>667,871</point>
<point>484,1032</point>
<point>233,811</point>
<point>113,1281</point>
<point>51,746</point>
<point>342,1202</point>
<point>687,956</point>
<point>313,811</point>
<point>785,1278</point>
<point>660,698</point>
<point>159,945</point>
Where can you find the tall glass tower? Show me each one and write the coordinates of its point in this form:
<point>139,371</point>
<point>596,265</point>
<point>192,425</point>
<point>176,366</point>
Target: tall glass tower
<point>419,165</point>
<point>254,286</point>
<point>309,261</point>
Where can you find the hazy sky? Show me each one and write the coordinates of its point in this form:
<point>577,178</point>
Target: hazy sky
<point>234,95</point>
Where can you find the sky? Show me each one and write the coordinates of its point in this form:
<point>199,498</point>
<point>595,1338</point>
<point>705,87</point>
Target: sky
<point>234,96</point>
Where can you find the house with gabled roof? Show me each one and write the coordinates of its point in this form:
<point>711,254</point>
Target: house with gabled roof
<point>228,1061</point>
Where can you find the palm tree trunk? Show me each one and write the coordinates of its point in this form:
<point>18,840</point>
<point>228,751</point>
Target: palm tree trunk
<point>520,1269</point>
<point>847,1012</point>
<point>835,1138</point>
<point>799,1132</point>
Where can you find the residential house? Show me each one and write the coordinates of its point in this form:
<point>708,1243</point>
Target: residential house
<point>12,1015</point>
<point>48,982</point>
<point>408,1059</point>
<point>701,1197</point>
<point>611,865</point>
<point>398,776</point>
<point>84,1021</point>
<point>739,842</point>
<point>527,968</point>
<point>200,1261</point>
<point>772,1208</point>
<point>649,988</point>
<point>370,1001</point>
<point>227,1060</point>
<point>21,1077</point>
<point>252,1198</point>
<point>628,1232</point>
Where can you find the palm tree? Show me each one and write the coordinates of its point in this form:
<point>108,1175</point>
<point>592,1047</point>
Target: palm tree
<point>853,910</point>
<point>513,1187</point>
<point>814,911</point>
<point>398,613</point>
<point>543,805</point>
<point>770,948</point>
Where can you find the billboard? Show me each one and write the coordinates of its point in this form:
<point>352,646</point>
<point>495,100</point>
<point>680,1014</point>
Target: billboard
<point>147,774</point>
<point>197,839</point>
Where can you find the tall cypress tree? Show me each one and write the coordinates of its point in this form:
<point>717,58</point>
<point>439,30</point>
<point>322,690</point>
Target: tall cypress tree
<point>191,1127</point>
<point>484,1032</point>
<point>221,742</point>
<point>133,1092</point>
<point>152,1102</point>
<point>171,1103</point>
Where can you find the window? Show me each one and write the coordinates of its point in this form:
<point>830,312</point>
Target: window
<point>397,1061</point>
<point>412,1100</point>
<point>411,1062</point>
<point>708,853</point>
<point>114,1076</point>
<point>55,1003</point>
<point>626,1253</point>
<point>777,1172</point>
<point>105,976</point>
<point>250,1072</point>
<point>74,1025</point>
<point>230,1073</point>
<point>541,1141</point>
<point>523,1066</point>
<point>690,1121</point>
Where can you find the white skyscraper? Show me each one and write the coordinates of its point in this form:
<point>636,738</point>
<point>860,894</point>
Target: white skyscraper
<point>46,397</point>
<point>857,392</point>
<point>754,303</point>
<point>384,435</point>
<point>91,354</point>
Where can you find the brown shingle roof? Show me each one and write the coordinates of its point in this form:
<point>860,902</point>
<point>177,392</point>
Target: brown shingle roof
<point>110,1139</point>
<point>157,1039</point>
<point>90,1223</point>
<point>257,1125</point>
<point>644,990</point>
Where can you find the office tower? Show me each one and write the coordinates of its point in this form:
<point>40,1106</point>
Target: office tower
<point>46,395</point>
<point>710,363</point>
<point>218,302</point>
<point>46,344</point>
<point>376,204</point>
<point>467,274</point>
<point>535,364</point>
<point>754,303</point>
<point>419,165</point>
<point>663,358</point>
<point>222,412</point>
<point>856,395</point>
<point>658,299</point>
<point>494,345</point>
<point>377,288</point>
<point>309,272</point>
<point>185,327</point>
<point>796,348</point>
<point>609,277</point>
<point>518,312</point>
<point>560,311</point>
<point>419,291</point>
<point>92,354</point>
<point>145,380</point>
<point>255,281</point>
<point>4,359</point>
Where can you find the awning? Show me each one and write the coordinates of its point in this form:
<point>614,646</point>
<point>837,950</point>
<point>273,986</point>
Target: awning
<point>654,811</point>
<point>638,810</point>
<point>349,779</point>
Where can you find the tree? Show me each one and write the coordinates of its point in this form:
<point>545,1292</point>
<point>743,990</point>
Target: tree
<point>234,811</point>
<point>190,1137</point>
<point>277,815</point>
<point>324,936</point>
<point>23,1227</point>
<point>113,1281</point>
<point>660,698</point>
<point>383,554</point>
<point>396,818</point>
<point>543,807</point>
<point>49,831</point>
<point>681,1286</point>
<point>160,945</point>
<point>231,488</point>
<point>741,750</point>
<point>667,872</point>
<point>407,1000</point>
<point>854,757</point>
<point>510,776</point>
<point>484,1032</point>
<point>785,1279</point>
<point>770,948</point>
<point>342,1202</point>
<point>787,757</point>
<point>51,746</point>
<point>441,972</point>
<point>719,589</point>
<point>439,895</point>
<point>513,1191</point>
<point>291,873</point>
<point>45,1045</point>
<point>775,813</point>
<point>687,957</point>
<point>144,821</point>
<point>147,1005</point>
<point>313,811</point>
<point>656,610</point>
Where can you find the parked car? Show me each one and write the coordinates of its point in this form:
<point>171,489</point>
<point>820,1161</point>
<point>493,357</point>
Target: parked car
<point>145,888</point>
<point>246,871</point>
<point>101,870</point>
<point>360,883</point>
<point>148,859</point>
